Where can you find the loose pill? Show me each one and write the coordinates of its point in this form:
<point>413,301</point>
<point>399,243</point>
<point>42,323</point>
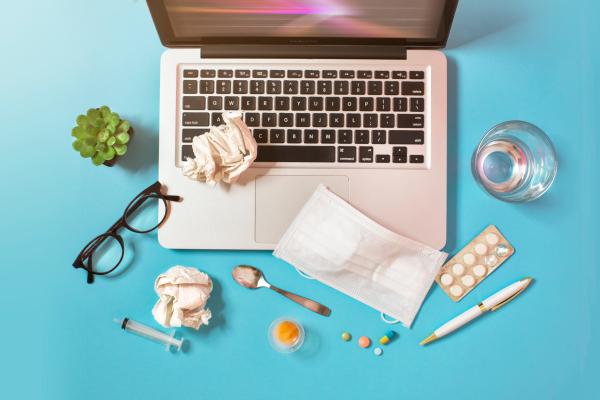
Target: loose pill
<point>458,269</point>
<point>491,260</point>
<point>491,238</point>
<point>346,336</point>
<point>480,249</point>
<point>479,270</point>
<point>446,279</point>
<point>389,335</point>
<point>456,290</point>
<point>501,250</point>
<point>364,342</point>
<point>377,351</point>
<point>469,259</point>
<point>468,280</point>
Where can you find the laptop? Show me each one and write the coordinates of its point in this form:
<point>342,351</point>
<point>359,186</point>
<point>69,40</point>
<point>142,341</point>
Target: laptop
<point>350,94</point>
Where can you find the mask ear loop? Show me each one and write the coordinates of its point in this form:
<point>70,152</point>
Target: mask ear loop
<point>302,274</point>
<point>383,317</point>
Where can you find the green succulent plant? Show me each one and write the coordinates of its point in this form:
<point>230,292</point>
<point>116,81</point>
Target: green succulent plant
<point>100,135</point>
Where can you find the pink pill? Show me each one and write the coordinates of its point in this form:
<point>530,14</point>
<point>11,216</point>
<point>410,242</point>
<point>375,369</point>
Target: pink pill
<point>364,342</point>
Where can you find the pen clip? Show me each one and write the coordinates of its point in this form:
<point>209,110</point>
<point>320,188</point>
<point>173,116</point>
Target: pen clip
<point>508,300</point>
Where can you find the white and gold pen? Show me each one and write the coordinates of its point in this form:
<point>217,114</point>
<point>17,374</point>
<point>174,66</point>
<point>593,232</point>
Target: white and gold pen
<point>492,303</point>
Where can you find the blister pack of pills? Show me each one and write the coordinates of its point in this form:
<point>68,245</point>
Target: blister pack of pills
<point>471,265</point>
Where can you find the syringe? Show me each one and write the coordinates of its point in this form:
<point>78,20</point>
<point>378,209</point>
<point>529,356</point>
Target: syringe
<point>150,333</point>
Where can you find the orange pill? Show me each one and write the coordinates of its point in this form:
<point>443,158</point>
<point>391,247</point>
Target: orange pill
<point>364,342</point>
<point>287,333</point>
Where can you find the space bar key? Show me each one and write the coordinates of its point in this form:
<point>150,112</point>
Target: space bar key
<point>296,154</point>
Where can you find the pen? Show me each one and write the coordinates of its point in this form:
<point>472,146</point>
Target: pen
<point>492,303</point>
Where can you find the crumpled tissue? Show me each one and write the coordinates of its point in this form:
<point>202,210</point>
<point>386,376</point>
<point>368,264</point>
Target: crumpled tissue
<point>223,153</point>
<point>183,293</point>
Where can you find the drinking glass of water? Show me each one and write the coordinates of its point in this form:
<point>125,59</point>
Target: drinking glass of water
<point>515,162</point>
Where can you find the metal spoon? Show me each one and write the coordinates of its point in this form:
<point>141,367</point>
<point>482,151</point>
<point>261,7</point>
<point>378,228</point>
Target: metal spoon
<point>252,278</point>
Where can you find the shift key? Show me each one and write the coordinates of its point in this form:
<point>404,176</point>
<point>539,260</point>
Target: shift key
<point>195,119</point>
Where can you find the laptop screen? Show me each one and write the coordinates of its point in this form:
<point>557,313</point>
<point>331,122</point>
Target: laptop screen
<point>327,21</point>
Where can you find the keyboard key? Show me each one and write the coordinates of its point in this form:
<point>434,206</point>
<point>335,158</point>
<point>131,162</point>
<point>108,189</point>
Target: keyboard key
<point>294,136</point>
<point>190,73</point>
<point>347,74</point>
<point>332,104</point>
<point>303,120</point>
<point>364,74</point>
<point>353,120</point>
<point>282,103</point>
<point>358,88</point>
<point>387,120</point>
<point>215,103</point>
<point>324,87</point>
<point>336,120</point>
<point>319,120</point>
<point>259,73</point>
<point>190,87</point>
<point>340,87</point>
<point>223,87</point>
<point>324,154</point>
<point>346,154</point>
<point>277,73</point>
<point>413,88</point>
<point>399,150</point>
<point>290,87</point>
<point>417,104</point>
<point>349,104</point>
<point>392,88</point>
<point>416,75</point>
<point>410,121</point>
<point>315,103</point>
<point>417,159</point>
<point>252,119</point>
<point>375,88</point>
<point>248,103</point>
<point>366,104</point>
<point>274,87</point>
<point>382,75</point>
<point>186,151</point>
<point>370,120</point>
<point>232,103</point>
<point>277,136</point>
<point>382,158</point>
<point>298,103</point>
<point>399,158</point>
<point>378,137</point>
<point>208,73</point>
<point>242,73</point>
<point>269,119</point>
<point>311,136</point>
<point>365,154</point>
<point>257,87</point>
<point>216,119</point>
<point>399,74</point>
<point>194,102</point>
<point>294,74</point>
<point>329,74</point>
<point>265,103</point>
<point>327,136</point>
<point>240,87</point>
<point>344,136</point>
<point>260,135</point>
<point>207,87</point>
<point>383,104</point>
<point>188,135</point>
<point>361,136</point>
<point>307,87</point>
<point>286,119</point>
<point>225,73</point>
<point>195,119</point>
<point>406,137</point>
<point>311,74</point>
<point>400,104</point>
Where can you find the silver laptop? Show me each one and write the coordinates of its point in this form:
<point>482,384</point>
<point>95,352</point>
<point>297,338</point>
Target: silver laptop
<point>350,94</point>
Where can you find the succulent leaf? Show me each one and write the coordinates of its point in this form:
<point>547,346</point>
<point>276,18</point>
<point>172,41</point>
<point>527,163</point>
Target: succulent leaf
<point>77,144</point>
<point>82,120</point>
<point>124,126</point>
<point>111,141</point>
<point>105,112</point>
<point>86,150</point>
<point>109,154</point>
<point>123,137</point>
<point>120,149</point>
<point>103,136</point>
<point>97,159</point>
<point>100,147</point>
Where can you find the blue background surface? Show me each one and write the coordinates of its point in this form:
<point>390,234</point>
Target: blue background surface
<point>535,60</point>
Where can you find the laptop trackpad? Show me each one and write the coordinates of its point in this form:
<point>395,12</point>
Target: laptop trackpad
<point>280,197</point>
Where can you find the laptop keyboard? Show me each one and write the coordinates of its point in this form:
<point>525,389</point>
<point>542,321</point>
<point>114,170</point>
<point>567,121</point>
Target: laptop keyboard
<point>313,117</point>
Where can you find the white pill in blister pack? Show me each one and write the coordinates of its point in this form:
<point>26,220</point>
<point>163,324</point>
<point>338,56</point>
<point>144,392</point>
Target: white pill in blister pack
<point>479,270</point>
<point>458,269</point>
<point>447,279</point>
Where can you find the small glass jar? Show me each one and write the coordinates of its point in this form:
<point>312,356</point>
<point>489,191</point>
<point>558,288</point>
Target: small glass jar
<point>515,162</point>
<point>286,335</point>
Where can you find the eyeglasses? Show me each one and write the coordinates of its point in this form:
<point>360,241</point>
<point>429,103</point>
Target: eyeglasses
<point>103,254</point>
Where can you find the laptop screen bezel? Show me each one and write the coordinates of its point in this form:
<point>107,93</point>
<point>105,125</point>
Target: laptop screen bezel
<point>167,36</point>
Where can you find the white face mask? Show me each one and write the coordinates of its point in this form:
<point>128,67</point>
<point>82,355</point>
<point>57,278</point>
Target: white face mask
<point>339,246</point>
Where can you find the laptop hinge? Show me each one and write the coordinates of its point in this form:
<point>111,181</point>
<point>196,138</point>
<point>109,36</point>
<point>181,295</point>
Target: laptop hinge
<point>304,51</point>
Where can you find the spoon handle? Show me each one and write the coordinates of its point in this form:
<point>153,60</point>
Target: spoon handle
<point>303,301</point>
